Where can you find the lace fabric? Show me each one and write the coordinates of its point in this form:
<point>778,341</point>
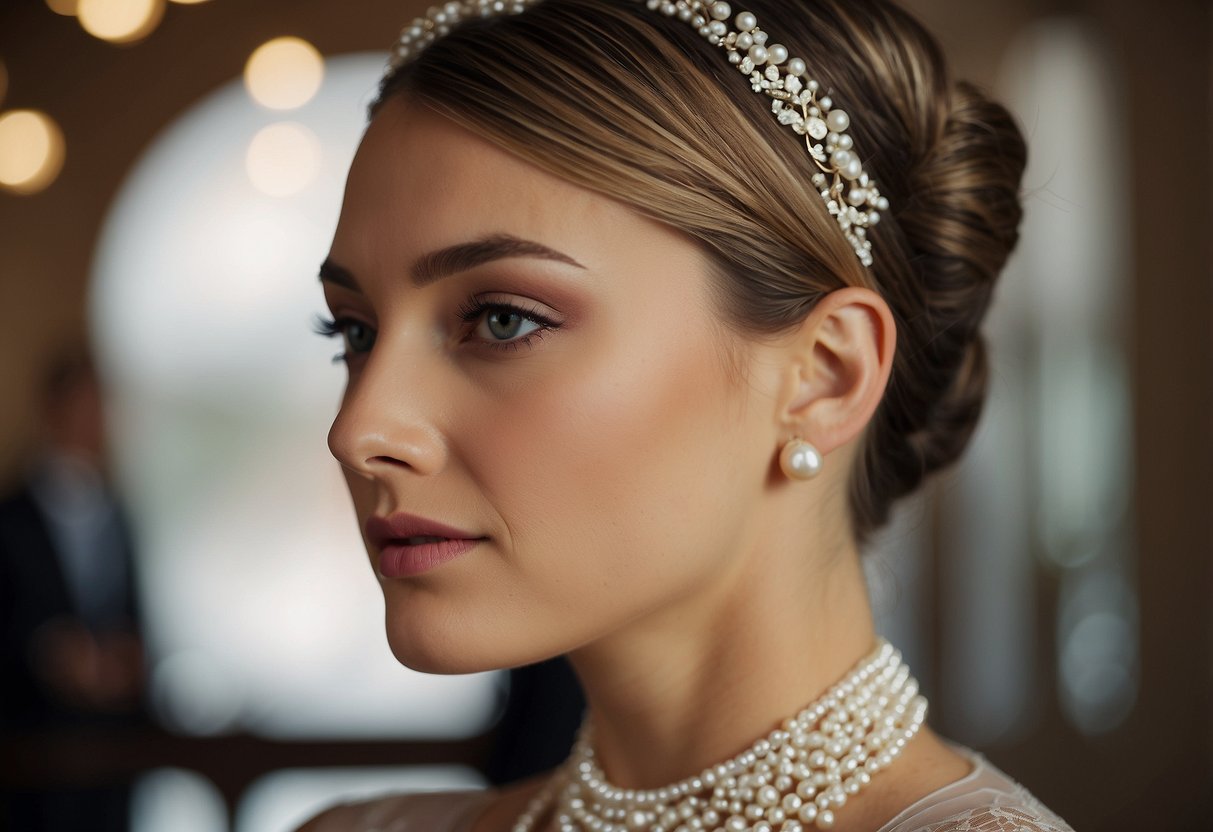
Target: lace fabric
<point>998,820</point>
<point>985,800</point>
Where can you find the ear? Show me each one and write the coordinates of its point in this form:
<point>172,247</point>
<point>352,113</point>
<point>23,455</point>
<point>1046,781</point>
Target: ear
<point>836,367</point>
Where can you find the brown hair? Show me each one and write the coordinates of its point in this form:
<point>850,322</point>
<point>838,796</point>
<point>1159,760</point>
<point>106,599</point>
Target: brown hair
<point>625,101</point>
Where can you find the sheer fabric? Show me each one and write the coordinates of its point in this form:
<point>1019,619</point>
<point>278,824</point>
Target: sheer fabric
<point>987,799</point>
<point>984,800</point>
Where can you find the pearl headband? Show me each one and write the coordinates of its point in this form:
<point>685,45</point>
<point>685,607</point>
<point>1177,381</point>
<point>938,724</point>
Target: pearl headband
<point>771,71</point>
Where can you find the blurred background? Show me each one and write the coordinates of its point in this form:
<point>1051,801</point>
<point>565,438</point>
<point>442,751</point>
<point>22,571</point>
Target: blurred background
<point>210,654</point>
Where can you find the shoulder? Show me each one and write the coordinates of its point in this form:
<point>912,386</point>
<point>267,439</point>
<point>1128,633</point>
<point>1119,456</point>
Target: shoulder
<point>1001,819</point>
<point>985,800</point>
<point>467,810</point>
<point>447,811</point>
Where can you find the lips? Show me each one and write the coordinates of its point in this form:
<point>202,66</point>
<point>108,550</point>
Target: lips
<point>402,528</point>
<point>409,545</point>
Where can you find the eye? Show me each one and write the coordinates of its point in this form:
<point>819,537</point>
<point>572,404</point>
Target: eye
<point>505,324</point>
<point>357,336</point>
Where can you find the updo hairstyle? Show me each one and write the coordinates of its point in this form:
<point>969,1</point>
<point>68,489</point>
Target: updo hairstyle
<point>622,100</point>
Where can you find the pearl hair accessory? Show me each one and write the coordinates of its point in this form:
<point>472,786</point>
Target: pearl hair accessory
<point>774,72</point>
<point>438,22</point>
<point>800,460</point>
<point>771,70</point>
<point>796,777</point>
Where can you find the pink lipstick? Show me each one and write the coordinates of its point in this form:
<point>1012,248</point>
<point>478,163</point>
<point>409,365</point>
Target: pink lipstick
<point>409,545</point>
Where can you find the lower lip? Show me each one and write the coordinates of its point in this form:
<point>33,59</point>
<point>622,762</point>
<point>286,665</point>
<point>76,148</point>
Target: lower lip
<point>400,560</point>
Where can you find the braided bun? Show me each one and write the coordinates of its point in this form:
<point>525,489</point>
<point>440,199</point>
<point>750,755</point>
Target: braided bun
<point>959,223</point>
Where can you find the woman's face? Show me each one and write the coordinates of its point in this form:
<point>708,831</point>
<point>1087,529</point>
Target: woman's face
<point>594,441</point>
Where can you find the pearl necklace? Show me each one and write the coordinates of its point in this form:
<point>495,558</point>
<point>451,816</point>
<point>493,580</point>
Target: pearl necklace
<point>795,777</point>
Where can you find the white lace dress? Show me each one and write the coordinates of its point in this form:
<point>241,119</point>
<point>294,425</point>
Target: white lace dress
<point>984,800</point>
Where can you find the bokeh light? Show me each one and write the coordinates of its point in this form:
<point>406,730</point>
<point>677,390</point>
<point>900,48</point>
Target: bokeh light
<point>67,8</point>
<point>31,151</point>
<point>283,159</point>
<point>284,73</point>
<point>120,21</point>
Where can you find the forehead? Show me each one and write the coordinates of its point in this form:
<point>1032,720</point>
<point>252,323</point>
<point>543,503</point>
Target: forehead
<point>420,181</point>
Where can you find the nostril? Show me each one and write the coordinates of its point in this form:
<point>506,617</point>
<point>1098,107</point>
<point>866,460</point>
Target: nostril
<point>387,460</point>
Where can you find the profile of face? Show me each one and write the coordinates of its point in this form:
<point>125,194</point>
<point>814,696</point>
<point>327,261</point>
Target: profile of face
<point>541,367</point>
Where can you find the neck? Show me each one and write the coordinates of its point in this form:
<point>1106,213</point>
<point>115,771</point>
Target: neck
<point>697,683</point>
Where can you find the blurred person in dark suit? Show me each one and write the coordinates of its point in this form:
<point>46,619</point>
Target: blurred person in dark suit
<point>72,656</point>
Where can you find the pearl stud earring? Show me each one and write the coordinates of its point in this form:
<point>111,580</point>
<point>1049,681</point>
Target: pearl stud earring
<point>800,460</point>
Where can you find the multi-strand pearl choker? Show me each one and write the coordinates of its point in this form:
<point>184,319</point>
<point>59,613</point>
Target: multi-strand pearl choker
<point>796,777</point>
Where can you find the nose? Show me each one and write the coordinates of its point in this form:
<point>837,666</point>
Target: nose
<point>382,424</point>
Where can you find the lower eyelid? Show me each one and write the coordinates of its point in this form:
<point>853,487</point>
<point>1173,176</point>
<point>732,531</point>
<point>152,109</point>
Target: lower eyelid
<point>515,344</point>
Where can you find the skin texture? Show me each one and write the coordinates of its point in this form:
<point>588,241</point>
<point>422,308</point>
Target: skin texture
<point>625,476</point>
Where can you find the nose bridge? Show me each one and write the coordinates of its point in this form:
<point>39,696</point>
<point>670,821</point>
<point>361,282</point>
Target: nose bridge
<point>386,420</point>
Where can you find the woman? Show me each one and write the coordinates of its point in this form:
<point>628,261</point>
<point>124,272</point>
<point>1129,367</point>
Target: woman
<point>649,319</point>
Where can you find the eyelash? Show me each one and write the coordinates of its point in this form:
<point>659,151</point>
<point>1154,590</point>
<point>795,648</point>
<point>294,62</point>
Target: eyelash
<point>473,307</point>
<point>334,328</point>
<point>469,312</point>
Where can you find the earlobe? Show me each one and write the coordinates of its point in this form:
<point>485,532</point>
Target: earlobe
<point>838,365</point>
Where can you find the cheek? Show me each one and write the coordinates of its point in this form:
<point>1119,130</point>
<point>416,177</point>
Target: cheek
<point>618,471</point>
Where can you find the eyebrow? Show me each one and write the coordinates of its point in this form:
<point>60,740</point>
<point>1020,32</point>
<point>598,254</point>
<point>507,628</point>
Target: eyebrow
<point>330,272</point>
<point>460,257</point>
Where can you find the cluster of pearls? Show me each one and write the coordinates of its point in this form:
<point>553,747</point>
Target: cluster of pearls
<point>438,22</point>
<point>794,778</point>
<point>773,71</point>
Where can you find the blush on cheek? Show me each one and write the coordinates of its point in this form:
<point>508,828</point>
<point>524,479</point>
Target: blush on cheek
<point>605,472</point>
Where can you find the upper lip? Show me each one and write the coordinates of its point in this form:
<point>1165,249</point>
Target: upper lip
<point>383,530</point>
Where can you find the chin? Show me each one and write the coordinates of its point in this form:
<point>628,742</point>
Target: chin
<point>418,655</point>
<point>455,647</point>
